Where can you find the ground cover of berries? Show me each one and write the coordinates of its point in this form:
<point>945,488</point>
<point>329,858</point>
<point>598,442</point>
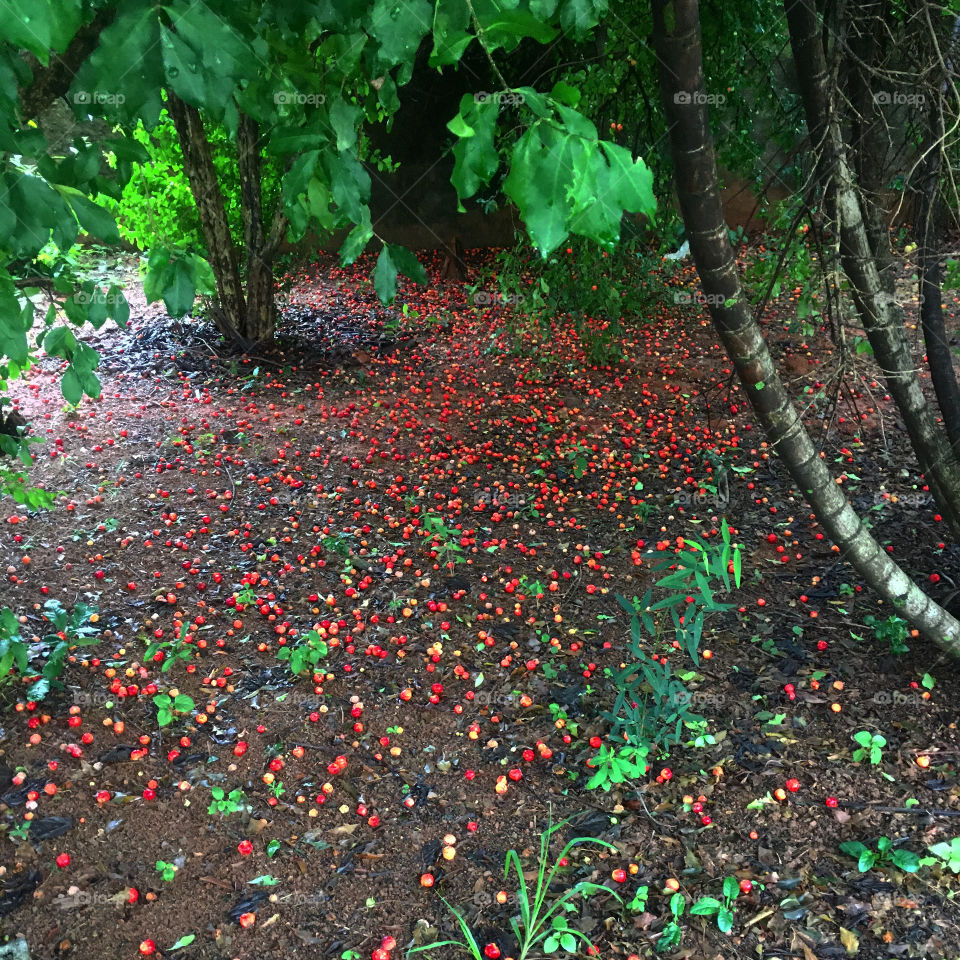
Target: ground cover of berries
<point>313,482</point>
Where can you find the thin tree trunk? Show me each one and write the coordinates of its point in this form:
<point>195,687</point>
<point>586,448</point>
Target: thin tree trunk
<point>939,353</point>
<point>869,132</point>
<point>678,46</point>
<point>880,313</point>
<point>929,232</point>
<point>198,163</point>
<point>260,317</point>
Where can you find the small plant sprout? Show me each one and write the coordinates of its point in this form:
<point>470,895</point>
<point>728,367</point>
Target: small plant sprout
<point>672,933</point>
<point>866,858</point>
<point>166,870</point>
<point>306,654</point>
<point>948,853</point>
<point>724,909</point>
<point>224,803</point>
<point>871,745</point>
<point>543,923</point>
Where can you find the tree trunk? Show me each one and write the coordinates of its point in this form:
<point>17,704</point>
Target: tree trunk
<point>870,135</point>
<point>880,313</point>
<point>231,311</point>
<point>260,317</point>
<point>678,48</point>
<point>929,231</point>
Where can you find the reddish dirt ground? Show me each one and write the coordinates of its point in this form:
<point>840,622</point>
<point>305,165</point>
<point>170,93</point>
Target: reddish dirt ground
<point>456,521</point>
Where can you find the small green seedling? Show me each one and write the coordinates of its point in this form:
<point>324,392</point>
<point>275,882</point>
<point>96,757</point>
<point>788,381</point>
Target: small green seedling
<point>905,860</point>
<point>166,870</point>
<point>226,803</point>
<point>871,744</point>
<point>672,933</point>
<point>722,910</point>
<point>949,853</point>
<point>168,707</point>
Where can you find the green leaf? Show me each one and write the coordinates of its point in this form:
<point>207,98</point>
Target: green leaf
<point>344,118</point>
<point>725,920</point>
<point>184,941</point>
<point>71,387</point>
<point>475,154</point>
<point>399,28</point>
<point>385,276</point>
<point>407,263</point>
<point>568,942</point>
<point>853,848</point>
<point>264,880</point>
<point>565,93</point>
<point>94,219</point>
<point>867,861</point>
<point>705,907</point>
<point>906,860</point>
<point>29,24</point>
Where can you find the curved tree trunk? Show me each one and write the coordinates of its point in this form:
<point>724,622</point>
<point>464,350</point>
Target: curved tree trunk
<point>880,313</point>
<point>677,39</point>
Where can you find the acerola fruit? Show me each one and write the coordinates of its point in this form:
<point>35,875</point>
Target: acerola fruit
<point>245,847</point>
<point>492,951</point>
<point>147,947</point>
<point>426,880</point>
<point>746,886</point>
<point>63,860</point>
<point>793,785</point>
<point>831,801</point>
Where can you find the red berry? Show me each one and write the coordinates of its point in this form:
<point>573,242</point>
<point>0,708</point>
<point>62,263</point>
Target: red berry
<point>745,886</point>
<point>63,861</point>
<point>831,801</point>
<point>147,947</point>
<point>245,847</point>
<point>793,785</point>
<point>492,951</point>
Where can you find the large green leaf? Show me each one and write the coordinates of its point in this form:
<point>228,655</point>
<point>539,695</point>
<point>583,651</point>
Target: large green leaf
<point>94,219</point>
<point>29,24</point>
<point>125,74</point>
<point>385,277</point>
<point>544,163</point>
<point>183,69</point>
<point>399,27</point>
<point>408,264</point>
<point>475,155</point>
<point>344,118</point>
<point>450,36</point>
